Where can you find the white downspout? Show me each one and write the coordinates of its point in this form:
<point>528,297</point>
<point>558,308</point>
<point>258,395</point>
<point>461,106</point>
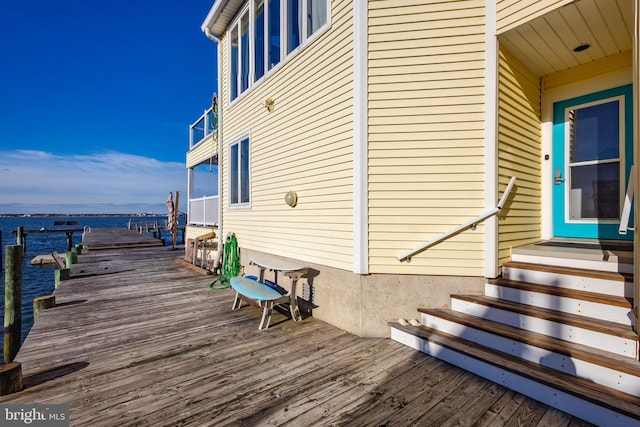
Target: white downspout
<point>360,139</point>
<point>216,40</point>
<point>491,138</point>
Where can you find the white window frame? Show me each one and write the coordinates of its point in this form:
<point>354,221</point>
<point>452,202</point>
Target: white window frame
<point>250,7</point>
<point>236,26</point>
<point>237,141</point>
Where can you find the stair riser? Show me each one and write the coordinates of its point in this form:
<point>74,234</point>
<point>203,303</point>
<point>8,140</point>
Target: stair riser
<point>575,263</point>
<point>577,367</point>
<point>591,309</point>
<point>566,281</point>
<point>587,337</point>
<point>548,395</point>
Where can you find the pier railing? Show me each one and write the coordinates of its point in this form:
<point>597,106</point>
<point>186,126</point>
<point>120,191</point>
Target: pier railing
<point>204,211</point>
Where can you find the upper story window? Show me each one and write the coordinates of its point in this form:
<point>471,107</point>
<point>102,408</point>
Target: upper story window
<point>265,33</point>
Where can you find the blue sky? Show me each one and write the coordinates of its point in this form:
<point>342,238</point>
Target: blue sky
<point>96,98</point>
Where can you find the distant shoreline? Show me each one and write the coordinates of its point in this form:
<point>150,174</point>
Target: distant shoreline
<point>54,215</point>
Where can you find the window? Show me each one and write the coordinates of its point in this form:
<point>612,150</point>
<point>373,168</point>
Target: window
<point>316,15</point>
<point>233,57</point>
<point>239,78</point>
<point>244,45</point>
<point>239,183</point>
<point>259,58</point>
<point>267,32</point>
<point>273,33</point>
<point>294,24</point>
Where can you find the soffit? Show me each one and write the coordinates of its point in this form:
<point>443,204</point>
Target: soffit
<point>545,45</point>
<point>221,14</point>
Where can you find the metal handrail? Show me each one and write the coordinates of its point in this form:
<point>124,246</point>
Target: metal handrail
<point>469,224</point>
<point>628,203</point>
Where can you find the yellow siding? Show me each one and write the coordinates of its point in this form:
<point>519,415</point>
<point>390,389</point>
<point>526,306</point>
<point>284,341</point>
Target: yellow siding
<point>519,150</point>
<point>511,13</point>
<point>202,152</point>
<point>426,134</point>
<point>304,145</point>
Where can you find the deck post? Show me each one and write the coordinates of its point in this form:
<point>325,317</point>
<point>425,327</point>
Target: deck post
<point>12,301</point>
<point>1,250</point>
<point>61,274</point>
<point>74,255</point>
<point>42,303</point>
<point>174,234</point>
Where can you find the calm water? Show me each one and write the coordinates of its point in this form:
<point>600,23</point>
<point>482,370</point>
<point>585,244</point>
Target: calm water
<point>39,280</point>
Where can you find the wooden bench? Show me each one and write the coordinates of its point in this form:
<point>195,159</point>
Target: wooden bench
<point>268,296</point>
<point>65,224</point>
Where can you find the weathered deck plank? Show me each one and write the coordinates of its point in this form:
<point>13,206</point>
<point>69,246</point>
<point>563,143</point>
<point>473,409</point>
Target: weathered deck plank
<point>136,339</point>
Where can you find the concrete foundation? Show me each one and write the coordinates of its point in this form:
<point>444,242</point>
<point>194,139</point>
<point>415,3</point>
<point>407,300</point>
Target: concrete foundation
<point>363,304</point>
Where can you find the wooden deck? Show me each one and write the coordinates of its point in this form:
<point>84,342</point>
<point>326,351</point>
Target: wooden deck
<point>138,340</point>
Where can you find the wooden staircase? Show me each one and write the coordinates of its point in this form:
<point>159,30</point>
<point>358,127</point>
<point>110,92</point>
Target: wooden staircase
<point>549,328</point>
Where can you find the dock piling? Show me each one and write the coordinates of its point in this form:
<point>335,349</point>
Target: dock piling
<point>69,240</point>
<point>10,378</point>
<point>21,238</point>
<point>42,303</point>
<point>12,301</point>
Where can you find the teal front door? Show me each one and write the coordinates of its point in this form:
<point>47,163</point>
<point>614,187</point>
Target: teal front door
<point>592,156</point>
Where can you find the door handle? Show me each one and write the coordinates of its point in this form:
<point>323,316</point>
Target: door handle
<point>558,178</point>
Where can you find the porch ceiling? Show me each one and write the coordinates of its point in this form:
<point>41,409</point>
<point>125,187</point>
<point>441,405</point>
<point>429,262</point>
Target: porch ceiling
<point>546,44</point>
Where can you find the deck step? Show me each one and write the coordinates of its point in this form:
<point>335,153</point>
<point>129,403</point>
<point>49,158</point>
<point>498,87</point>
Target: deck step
<point>601,263</point>
<point>605,335</point>
<point>583,398</point>
<point>606,282</point>
<point>596,305</point>
<point>603,367</point>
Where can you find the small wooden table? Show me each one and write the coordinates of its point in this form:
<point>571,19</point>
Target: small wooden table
<point>263,294</point>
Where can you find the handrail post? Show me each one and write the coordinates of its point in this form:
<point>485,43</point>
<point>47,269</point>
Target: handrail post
<point>204,210</point>
<point>206,123</point>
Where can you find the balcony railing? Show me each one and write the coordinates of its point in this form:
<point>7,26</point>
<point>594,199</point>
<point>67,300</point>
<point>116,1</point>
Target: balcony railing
<point>206,125</point>
<point>204,211</point>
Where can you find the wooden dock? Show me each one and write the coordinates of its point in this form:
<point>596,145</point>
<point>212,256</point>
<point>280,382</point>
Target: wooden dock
<point>114,238</point>
<point>138,340</point>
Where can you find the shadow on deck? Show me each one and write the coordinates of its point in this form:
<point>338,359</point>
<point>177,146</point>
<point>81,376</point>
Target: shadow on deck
<point>137,339</point>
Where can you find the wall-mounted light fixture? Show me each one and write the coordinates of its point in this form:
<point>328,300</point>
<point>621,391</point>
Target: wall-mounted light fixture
<point>269,103</point>
<point>291,198</point>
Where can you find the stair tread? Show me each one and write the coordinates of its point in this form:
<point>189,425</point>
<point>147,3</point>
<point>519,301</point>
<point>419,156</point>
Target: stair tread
<point>596,393</point>
<point>572,271</point>
<point>565,292</point>
<point>578,351</point>
<point>576,320</point>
